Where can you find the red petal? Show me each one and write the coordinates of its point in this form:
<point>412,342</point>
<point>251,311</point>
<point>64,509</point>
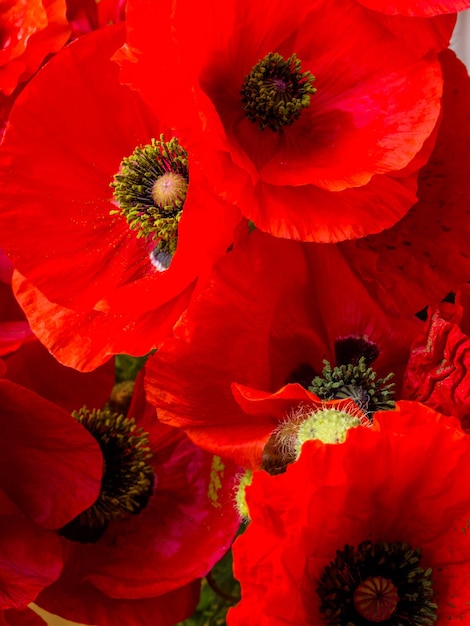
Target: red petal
<point>50,466</point>
<point>31,560</point>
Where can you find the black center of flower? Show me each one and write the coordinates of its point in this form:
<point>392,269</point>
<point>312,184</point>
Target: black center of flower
<point>128,478</point>
<point>377,583</point>
<point>301,374</point>
<point>275,91</point>
<point>351,349</point>
<point>150,190</point>
<point>358,382</point>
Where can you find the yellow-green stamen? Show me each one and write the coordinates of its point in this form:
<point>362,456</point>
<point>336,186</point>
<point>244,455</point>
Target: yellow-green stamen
<point>150,191</point>
<point>357,382</point>
<point>275,91</point>
<point>128,478</point>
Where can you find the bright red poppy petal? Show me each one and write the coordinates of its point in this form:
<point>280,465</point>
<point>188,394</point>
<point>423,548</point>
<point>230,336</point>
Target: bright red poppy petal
<point>420,34</point>
<point>437,369</point>
<point>35,368</point>
<point>309,213</point>
<point>86,340</point>
<point>50,466</point>
<point>20,21</point>
<point>283,401</point>
<point>427,254</point>
<point>35,30</point>
<point>31,559</point>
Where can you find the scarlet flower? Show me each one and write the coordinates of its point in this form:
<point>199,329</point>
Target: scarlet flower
<point>125,262</point>
<point>427,254</point>
<point>321,153</point>
<point>162,520</point>
<point>285,307</point>
<point>31,30</point>
<point>372,530</point>
<point>50,470</point>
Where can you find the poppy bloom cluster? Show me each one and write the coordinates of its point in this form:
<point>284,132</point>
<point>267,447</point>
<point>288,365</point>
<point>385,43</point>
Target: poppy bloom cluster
<point>286,315</point>
<point>271,204</point>
<point>319,139</point>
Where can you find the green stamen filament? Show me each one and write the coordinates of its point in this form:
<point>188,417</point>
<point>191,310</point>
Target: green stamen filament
<point>128,478</point>
<point>357,382</point>
<point>150,190</point>
<point>375,583</point>
<point>275,91</point>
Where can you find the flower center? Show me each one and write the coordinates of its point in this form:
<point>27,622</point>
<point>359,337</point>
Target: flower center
<point>376,599</point>
<point>374,583</point>
<point>304,424</point>
<point>275,91</point>
<point>169,190</point>
<point>128,478</point>
<point>358,382</point>
<point>150,191</point>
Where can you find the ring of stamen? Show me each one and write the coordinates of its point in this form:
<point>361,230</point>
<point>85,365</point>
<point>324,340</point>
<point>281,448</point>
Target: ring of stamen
<point>128,478</point>
<point>150,190</point>
<point>375,583</point>
<point>276,91</point>
<point>358,382</point>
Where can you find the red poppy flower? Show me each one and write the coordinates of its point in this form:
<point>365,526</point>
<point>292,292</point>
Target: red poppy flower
<point>304,158</point>
<point>438,370</point>
<point>329,541</point>
<point>50,470</point>
<point>273,312</point>
<point>144,565</point>
<point>66,242</point>
<point>30,31</point>
<point>427,254</point>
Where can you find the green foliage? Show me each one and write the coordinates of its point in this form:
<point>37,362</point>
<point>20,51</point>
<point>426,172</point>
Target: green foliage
<point>219,591</point>
<point>127,367</point>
